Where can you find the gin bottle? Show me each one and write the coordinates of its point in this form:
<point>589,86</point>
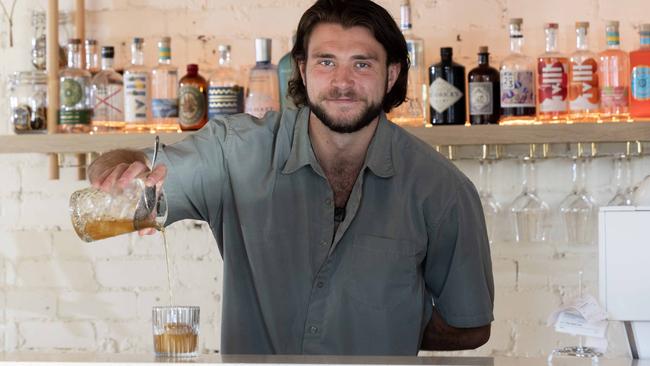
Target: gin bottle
<point>447,91</point>
<point>640,65</point>
<point>263,93</point>
<point>108,96</point>
<point>164,89</point>
<point>225,93</point>
<point>137,90</point>
<point>552,80</point>
<point>614,68</point>
<point>584,93</point>
<point>75,108</point>
<point>484,91</point>
<point>412,112</point>
<point>517,80</point>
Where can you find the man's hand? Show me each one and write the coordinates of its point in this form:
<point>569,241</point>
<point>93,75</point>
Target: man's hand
<point>440,336</point>
<point>119,168</point>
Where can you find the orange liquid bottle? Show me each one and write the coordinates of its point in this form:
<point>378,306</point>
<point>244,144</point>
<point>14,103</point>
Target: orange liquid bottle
<point>640,65</point>
<point>614,75</point>
<point>552,80</point>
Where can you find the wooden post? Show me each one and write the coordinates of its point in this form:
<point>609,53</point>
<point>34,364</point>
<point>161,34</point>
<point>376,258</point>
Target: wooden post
<point>80,32</point>
<point>53,79</point>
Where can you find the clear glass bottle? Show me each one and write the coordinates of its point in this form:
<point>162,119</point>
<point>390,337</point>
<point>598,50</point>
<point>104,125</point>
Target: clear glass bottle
<point>225,92</point>
<point>164,89</point>
<point>483,82</point>
<point>614,67</point>
<point>552,80</point>
<point>640,65</point>
<point>28,102</point>
<point>584,92</point>
<point>108,96</point>
<point>517,79</point>
<point>285,72</point>
<point>413,111</point>
<point>75,108</point>
<point>92,56</point>
<point>137,91</point>
<point>192,96</point>
<point>263,94</point>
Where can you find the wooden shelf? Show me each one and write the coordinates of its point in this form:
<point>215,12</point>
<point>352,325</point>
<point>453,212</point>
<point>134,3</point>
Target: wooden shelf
<point>438,135</point>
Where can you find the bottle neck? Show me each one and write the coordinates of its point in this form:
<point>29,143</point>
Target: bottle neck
<point>484,59</point>
<point>405,18</point>
<point>107,63</point>
<point>613,38</point>
<point>164,55</point>
<point>645,40</point>
<point>551,40</point>
<point>91,57</point>
<point>582,42</point>
<point>516,42</point>
<point>137,55</point>
<point>224,59</point>
<point>74,58</point>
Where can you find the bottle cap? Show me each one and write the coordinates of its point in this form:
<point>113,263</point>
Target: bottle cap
<point>613,23</point>
<point>516,21</point>
<point>582,24</point>
<point>74,41</point>
<point>551,26</point>
<point>91,42</point>
<point>483,49</point>
<point>138,40</point>
<point>224,48</point>
<point>262,49</point>
<point>193,69</point>
<point>165,41</point>
<point>108,52</point>
<point>644,27</point>
<point>446,52</point>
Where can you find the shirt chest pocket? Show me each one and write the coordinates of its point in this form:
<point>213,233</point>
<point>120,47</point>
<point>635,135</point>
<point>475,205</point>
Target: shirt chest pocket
<point>382,272</point>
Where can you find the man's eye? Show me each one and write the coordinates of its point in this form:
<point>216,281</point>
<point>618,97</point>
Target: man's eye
<point>326,63</point>
<point>363,65</point>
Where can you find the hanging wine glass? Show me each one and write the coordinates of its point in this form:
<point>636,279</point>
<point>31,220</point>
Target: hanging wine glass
<point>578,209</point>
<point>491,208</point>
<point>622,181</point>
<point>528,211</point>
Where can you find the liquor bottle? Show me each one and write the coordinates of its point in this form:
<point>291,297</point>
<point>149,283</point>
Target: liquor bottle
<point>584,93</point>
<point>552,80</point>
<point>92,56</point>
<point>640,64</point>
<point>192,99</point>
<point>164,89</point>
<point>613,72</point>
<point>137,93</point>
<point>285,72</point>
<point>108,96</point>
<point>225,92</point>
<point>75,108</point>
<point>447,90</point>
<point>517,78</point>
<point>484,91</point>
<point>413,111</point>
<point>263,93</point>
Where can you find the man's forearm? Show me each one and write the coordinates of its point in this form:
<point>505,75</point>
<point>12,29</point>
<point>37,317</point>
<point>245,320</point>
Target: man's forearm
<point>439,336</point>
<point>111,159</point>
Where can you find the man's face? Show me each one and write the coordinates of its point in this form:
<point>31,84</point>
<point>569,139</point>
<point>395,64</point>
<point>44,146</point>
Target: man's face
<point>346,77</point>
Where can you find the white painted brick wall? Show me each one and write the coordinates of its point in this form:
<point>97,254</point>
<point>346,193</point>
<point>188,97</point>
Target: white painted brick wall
<point>58,293</point>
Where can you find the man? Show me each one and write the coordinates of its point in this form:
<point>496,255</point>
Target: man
<point>338,230</point>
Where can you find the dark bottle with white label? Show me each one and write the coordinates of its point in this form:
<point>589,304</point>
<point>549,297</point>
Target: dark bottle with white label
<point>484,91</point>
<point>447,91</point>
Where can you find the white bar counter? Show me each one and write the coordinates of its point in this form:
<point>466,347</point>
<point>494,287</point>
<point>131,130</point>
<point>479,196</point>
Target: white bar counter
<point>82,359</point>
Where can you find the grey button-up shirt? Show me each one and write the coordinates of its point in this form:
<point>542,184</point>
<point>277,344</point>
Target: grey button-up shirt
<point>413,233</point>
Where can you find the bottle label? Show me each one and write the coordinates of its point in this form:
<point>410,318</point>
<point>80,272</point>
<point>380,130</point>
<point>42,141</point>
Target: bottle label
<point>517,89</point>
<point>164,108</point>
<point>191,106</point>
<point>225,100</point>
<point>480,98</point>
<point>583,90</point>
<point>613,97</point>
<point>75,117</point>
<point>641,83</point>
<point>258,105</point>
<point>135,97</point>
<point>443,95</point>
<point>553,85</point>
<point>72,92</point>
<point>108,102</point>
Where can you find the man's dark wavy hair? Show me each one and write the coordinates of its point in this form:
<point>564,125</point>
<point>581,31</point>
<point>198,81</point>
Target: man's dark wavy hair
<point>350,13</point>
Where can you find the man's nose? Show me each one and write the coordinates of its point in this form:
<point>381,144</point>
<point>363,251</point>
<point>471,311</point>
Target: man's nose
<point>343,77</point>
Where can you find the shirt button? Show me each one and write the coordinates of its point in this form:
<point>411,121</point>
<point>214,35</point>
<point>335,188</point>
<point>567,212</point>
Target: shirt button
<point>323,243</point>
<point>328,202</point>
<point>313,329</point>
<point>320,284</point>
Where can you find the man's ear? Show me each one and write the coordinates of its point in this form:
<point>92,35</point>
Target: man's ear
<point>393,73</point>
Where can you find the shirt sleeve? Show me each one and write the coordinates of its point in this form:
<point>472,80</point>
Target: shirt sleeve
<point>196,173</point>
<point>458,268</point>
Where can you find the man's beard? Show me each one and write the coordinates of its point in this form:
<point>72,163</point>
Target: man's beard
<point>351,124</point>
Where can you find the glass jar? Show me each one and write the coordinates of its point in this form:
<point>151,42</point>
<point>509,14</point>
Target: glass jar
<point>28,102</point>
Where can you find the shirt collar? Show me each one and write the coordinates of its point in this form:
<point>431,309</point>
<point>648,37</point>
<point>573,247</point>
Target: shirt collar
<point>379,158</point>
